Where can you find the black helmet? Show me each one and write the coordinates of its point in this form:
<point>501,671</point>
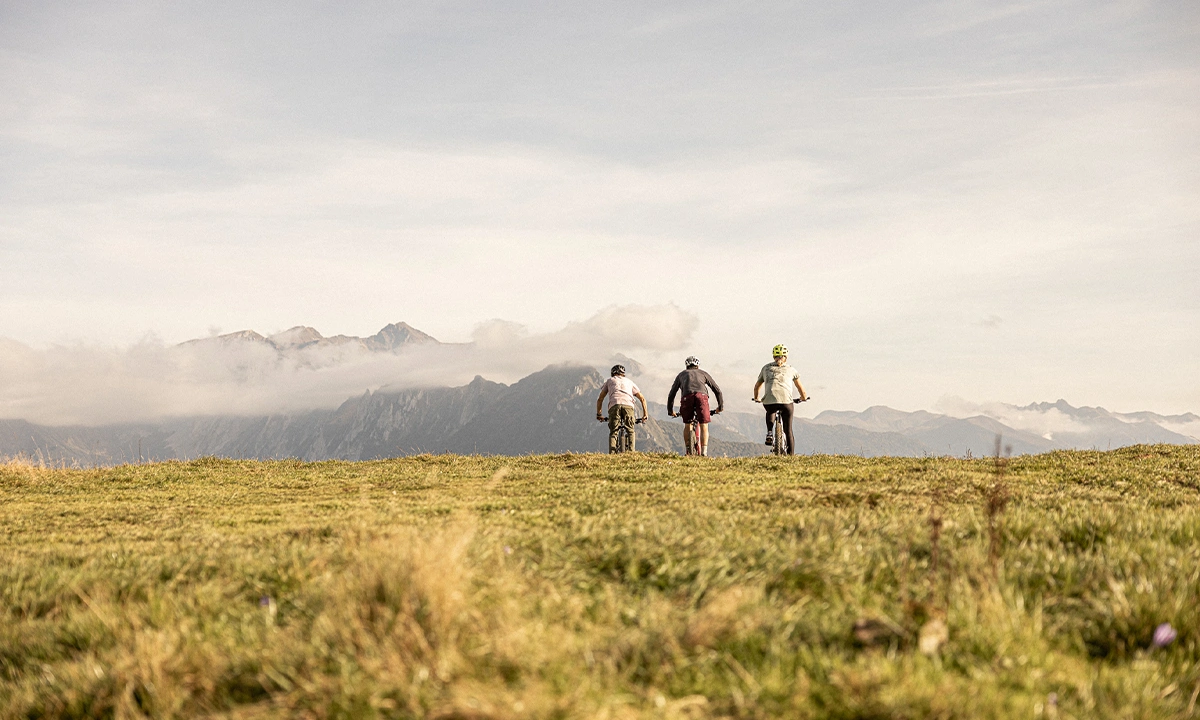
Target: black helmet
<point>617,370</point>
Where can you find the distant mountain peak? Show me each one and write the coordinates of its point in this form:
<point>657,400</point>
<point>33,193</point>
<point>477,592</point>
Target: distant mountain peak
<point>229,338</point>
<point>295,337</point>
<point>389,338</point>
<point>1060,405</point>
<point>395,335</point>
<point>633,368</point>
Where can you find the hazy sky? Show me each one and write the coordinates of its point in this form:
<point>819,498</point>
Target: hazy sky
<point>993,201</point>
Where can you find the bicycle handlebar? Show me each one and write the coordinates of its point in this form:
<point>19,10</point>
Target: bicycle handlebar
<point>806,398</point>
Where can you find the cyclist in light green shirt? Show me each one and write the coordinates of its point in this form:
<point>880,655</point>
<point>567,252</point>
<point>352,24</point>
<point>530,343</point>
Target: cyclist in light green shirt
<point>779,378</point>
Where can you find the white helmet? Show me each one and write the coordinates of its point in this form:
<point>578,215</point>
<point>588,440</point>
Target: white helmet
<point>692,360</point>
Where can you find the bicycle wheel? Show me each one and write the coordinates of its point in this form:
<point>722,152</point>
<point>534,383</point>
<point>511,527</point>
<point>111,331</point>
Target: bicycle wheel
<point>780,446</point>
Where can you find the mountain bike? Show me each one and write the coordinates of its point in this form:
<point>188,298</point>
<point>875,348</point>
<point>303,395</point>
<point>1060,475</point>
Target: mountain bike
<point>625,435</point>
<point>694,447</point>
<point>779,445</point>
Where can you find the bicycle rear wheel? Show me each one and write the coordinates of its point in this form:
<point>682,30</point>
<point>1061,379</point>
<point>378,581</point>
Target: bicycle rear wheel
<point>780,446</point>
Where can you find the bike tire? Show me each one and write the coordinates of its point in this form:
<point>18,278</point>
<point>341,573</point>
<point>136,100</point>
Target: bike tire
<point>623,440</point>
<point>780,446</point>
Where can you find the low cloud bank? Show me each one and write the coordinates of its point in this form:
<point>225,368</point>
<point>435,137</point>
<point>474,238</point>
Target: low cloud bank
<point>150,381</point>
<point>1040,422</point>
<point>1189,428</point>
<point>1053,420</point>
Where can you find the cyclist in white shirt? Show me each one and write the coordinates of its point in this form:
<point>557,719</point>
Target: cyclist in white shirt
<point>779,377</point>
<point>620,391</point>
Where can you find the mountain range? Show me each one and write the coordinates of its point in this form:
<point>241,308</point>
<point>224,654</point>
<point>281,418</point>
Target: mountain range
<point>552,411</point>
<point>391,338</point>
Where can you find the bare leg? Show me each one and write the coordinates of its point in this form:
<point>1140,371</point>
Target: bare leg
<point>704,438</point>
<point>687,438</point>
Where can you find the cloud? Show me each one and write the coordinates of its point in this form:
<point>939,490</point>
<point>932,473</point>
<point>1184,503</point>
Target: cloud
<point>902,172</point>
<point>149,381</point>
<point>663,327</point>
<point>1189,426</point>
<point>1045,423</point>
<point>658,327</point>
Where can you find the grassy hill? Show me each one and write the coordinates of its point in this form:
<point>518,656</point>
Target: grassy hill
<point>592,586</point>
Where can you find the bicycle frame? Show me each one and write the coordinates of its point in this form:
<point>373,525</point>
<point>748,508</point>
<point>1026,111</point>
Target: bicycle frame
<point>623,439</point>
<point>780,446</point>
<point>695,435</point>
<point>625,435</point>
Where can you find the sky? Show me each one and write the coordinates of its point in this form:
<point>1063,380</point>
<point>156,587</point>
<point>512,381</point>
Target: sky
<point>987,201</point>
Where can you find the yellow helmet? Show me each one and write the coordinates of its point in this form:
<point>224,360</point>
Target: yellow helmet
<point>779,351</point>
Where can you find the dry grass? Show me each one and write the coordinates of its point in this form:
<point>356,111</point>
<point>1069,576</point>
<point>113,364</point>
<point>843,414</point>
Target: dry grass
<point>594,586</point>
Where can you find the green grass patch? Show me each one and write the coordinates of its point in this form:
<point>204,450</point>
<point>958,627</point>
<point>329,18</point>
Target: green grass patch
<point>592,586</point>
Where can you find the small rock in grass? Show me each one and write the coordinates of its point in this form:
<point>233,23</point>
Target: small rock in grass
<point>933,635</point>
<point>869,631</point>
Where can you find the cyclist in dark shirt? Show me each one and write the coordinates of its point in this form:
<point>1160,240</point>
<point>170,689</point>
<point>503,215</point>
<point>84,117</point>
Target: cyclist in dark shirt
<point>693,405</point>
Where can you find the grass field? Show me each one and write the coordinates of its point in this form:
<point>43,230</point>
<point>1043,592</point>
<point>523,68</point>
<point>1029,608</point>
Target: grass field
<point>610,587</point>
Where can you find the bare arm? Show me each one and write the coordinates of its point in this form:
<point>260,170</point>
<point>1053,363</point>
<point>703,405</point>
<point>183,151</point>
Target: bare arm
<point>600,401</point>
<point>757,386</point>
<point>800,387</point>
<point>642,398</point>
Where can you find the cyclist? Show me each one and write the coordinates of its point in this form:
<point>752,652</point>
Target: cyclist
<point>693,404</point>
<point>779,377</point>
<point>620,391</point>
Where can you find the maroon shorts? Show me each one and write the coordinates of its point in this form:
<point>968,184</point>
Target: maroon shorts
<point>694,408</point>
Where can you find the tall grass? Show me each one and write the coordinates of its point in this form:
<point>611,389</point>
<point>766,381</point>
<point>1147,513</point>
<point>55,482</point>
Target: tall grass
<point>594,586</point>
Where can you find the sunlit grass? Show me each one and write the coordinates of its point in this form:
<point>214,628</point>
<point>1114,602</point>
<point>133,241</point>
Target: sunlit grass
<point>595,586</point>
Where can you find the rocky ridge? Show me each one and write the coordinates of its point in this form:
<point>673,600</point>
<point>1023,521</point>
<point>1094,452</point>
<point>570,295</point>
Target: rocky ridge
<point>390,338</point>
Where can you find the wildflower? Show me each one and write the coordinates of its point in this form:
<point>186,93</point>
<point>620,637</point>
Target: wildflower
<point>1164,635</point>
<point>507,550</point>
<point>267,603</point>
